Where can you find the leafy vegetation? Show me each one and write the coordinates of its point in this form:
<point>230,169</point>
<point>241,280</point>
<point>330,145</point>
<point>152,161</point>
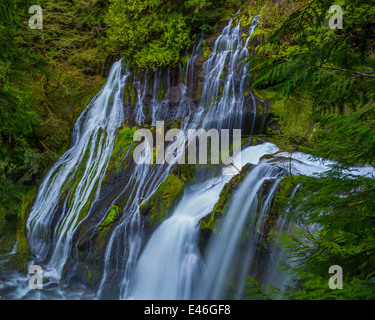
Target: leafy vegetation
<point>154,33</point>
<point>321,83</point>
<point>332,72</point>
<point>47,77</point>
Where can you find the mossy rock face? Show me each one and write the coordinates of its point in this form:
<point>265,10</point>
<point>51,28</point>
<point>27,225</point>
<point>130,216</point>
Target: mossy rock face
<point>111,218</point>
<point>161,204</point>
<point>272,158</point>
<point>123,144</point>
<point>279,203</point>
<point>15,229</point>
<point>209,222</point>
<point>186,172</point>
<point>250,142</point>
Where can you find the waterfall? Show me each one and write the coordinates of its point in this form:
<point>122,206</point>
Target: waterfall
<point>170,264</point>
<point>272,275</point>
<point>167,264</point>
<point>223,95</point>
<point>74,180</point>
<point>225,245</point>
<point>171,261</point>
<point>127,239</point>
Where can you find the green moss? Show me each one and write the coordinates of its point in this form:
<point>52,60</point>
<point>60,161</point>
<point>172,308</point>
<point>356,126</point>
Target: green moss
<point>260,108</point>
<point>89,277</point>
<point>163,201</point>
<point>127,93</point>
<point>86,208</point>
<point>209,222</point>
<point>206,49</point>
<point>162,91</point>
<point>176,124</point>
<point>186,172</point>
<point>198,90</point>
<point>73,189</point>
<point>133,97</point>
<point>122,144</point>
<point>248,141</point>
<point>185,60</point>
<point>286,187</point>
<point>23,254</point>
<point>266,94</point>
<point>111,218</point>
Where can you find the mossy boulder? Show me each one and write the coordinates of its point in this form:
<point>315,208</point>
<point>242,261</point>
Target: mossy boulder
<point>209,222</point>
<point>161,204</point>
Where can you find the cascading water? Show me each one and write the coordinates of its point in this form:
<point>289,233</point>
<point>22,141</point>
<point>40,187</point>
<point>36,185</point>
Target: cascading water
<point>127,239</point>
<point>230,45</point>
<point>169,264</point>
<point>77,175</point>
<point>171,261</point>
<point>242,214</point>
<point>223,93</point>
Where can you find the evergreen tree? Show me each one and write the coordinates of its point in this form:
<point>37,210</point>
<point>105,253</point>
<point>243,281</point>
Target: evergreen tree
<point>334,213</point>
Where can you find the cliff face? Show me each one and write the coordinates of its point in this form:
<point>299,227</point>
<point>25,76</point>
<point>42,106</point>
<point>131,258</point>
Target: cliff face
<point>78,65</point>
<point>171,95</point>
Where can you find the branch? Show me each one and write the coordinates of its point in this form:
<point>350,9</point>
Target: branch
<point>350,71</point>
<point>324,67</point>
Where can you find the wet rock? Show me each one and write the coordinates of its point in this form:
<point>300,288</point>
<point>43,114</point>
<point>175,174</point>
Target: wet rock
<point>209,222</point>
<point>175,93</point>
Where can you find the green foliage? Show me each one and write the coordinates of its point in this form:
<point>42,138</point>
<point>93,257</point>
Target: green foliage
<point>350,140</point>
<point>335,67</point>
<point>18,160</point>
<point>154,33</point>
<point>334,224</point>
<point>333,213</point>
<point>46,78</point>
<point>293,119</point>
